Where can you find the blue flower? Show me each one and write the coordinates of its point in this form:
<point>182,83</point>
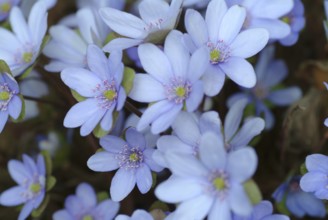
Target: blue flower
<point>226,45</point>
<point>298,202</point>
<point>295,18</point>
<point>6,6</point>
<point>269,74</point>
<point>158,18</point>
<point>211,185</point>
<point>172,81</point>
<point>84,205</point>
<point>137,215</point>
<point>101,86</point>
<point>31,179</point>
<point>262,211</point>
<point>10,101</point>
<point>315,180</point>
<point>266,14</point>
<point>21,48</point>
<point>133,159</point>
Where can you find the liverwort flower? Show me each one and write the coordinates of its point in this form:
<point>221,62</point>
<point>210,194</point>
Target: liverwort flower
<point>226,45</point>
<point>315,180</point>
<point>83,205</point>
<point>298,202</point>
<point>137,215</point>
<point>101,88</point>
<point>31,179</point>
<point>10,101</point>
<point>266,14</point>
<point>133,159</point>
<point>212,185</point>
<point>262,211</point>
<point>5,7</point>
<point>270,73</point>
<point>172,83</point>
<point>158,18</point>
<point>295,18</point>
<point>21,48</point>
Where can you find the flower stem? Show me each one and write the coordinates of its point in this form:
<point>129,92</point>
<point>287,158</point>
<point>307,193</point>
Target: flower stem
<point>129,106</point>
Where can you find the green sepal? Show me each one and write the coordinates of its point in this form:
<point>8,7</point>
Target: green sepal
<point>159,205</point>
<point>303,169</point>
<point>45,40</point>
<point>154,177</point>
<point>22,113</point>
<point>111,36</point>
<point>27,71</point>
<point>101,196</point>
<point>4,68</point>
<point>99,132</point>
<point>38,211</point>
<point>281,206</point>
<point>77,96</point>
<point>5,24</point>
<point>48,162</point>
<point>50,183</point>
<point>128,78</point>
<point>253,191</point>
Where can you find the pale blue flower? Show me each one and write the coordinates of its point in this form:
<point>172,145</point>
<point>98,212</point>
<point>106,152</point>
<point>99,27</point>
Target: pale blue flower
<point>270,73</point>
<point>158,18</point>
<point>50,143</point>
<point>137,215</point>
<point>20,48</point>
<point>266,14</point>
<point>295,18</point>
<point>227,46</point>
<point>298,202</point>
<point>6,6</point>
<point>212,185</point>
<point>172,81</point>
<point>315,180</point>
<point>31,179</point>
<point>196,3</point>
<point>10,102</point>
<point>133,159</point>
<point>101,87</point>
<point>84,206</point>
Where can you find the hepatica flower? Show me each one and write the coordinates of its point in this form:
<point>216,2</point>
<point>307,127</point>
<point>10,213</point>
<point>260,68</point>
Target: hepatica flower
<point>172,82</point>
<point>6,6</point>
<point>21,48</point>
<point>31,179</point>
<point>137,215</point>
<point>226,45</point>
<point>101,87</point>
<point>83,205</point>
<point>157,19</point>
<point>10,101</point>
<point>133,159</point>
<point>270,74</point>
<point>211,186</point>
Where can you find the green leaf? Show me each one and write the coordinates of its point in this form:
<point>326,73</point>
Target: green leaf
<point>48,161</point>
<point>4,68</point>
<point>38,211</point>
<point>77,96</point>
<point>128,78</point>
<point>253,191</point>
<point>111,36</point>
<point>45,40</point>
<point>50,182</point>
<point>22,113</point>
<point>101,196</point>
<point>303,169</point>
<point>281,206</point>
<point>154,177</point>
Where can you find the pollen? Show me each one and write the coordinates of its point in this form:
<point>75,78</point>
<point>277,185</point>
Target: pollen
<point>110,95</point>
<point>219,183</point>
<point>286,19</point>
<point>35,187</point>
<point>87,217</point>
<point>4,96</point>
<point>133,157</point>
<point>5,7</point>
<point>215,56</point>
<point>27,57</point>
<point>180,91</point>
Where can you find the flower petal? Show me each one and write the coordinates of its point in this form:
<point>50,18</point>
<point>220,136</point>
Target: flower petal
<point>15,107</point>
<point>112,144</point>
<point>165,120</point>
<point>185,126</point>
<point>195,96</point>
<point>12,196</point>
<point>103,162</point>
<point>313,181</point>
<point>213,79</point>
<point>214,14</point>
<point>239,201</point>
<point>121,44</point>
<point>196,27</point>
<point>198,64</point>
<point>133,137</point>
<point>220,210</point>
<point>122,184</point>
<point>286,96</point>
<point>277,29</point>
<point>144,179</point>
<point>317,162</point>
<point>97,62</point>
<point>87,195</point>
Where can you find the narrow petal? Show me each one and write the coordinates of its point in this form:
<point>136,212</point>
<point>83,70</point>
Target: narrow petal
<point>214,15</point>
<point>37,22</point>
<point>107,208</point>
<point>97,62</point>
<point>165,120</point>
<point>87,195</point>
<point>273,9</point>
<point>92,122</point>
<point>144,179</point>
<point>277,29</point>
<point>196,27</point>
<point>8,39</point>
<point>87,25</point>
<point>134,137</point>
<point>103,162</point>
<point>18,171</point>
<point>239,201</point>
<point>12,196</point>
<point>210,121</point>
<point>185,126</point>
<point>286,96</point>
<point>273,73</point>
<point>220,210</point>
<point>151,11</point>
<point>198,64</point>
<point>121,44</point>
<point>112,143</point>
<point>15,107</point>
<point>106,122</point>
<point>213,79</point>
<point>317,162</point>
<point>26,210</point>
<point>313,181</point>
<point>62,215</point>
<point>19,25</point>
<point>3,119</point>
<point>195,97</point>
<point>122,184</point>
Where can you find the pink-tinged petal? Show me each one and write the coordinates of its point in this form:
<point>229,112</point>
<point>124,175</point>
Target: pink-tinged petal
<point>80,113</point>
<point>81,80</point>
<point>196,27</point>
<point>92,122</point>
<point>106,122</point>
<point>87,195</point>
<point>241,164</point>
<point>147,89</point>
<point>103,162</point>
<point>249,42</point>
<point>212,152</point>
<point>233,119</point>
<point>12,196</point>
<point>3,119</point>
<point>214,15</point>
<point>19,25</point>
<point>15,107</point>
<point>195,208</point>
<point>198,64</point>
<point>312,181</point>
<point>220,210</point>
<point>18,171</point>
<point>62,215</point>
<point>26,210</point>
<point>177,54</point>
<point>286,96</point>
<point>151,10</point>
<point>97,62</point>
<point>317,162</point>
<point>144,179</point>
<point>37,22</point>
<point>277,29</point>
<point>231,24</point>
<point>112,143</point>
<point>165,120</point>
<point>240,71</point>
<point>213,80</point>
<point>133,137</point>
<point>177,189</point>
<point>122,184</point>
<point>272,9</point>
<point>153,112</point>
<point>195,96</point>
<point>239,201</point>
<point>155,62</point>
<point>123,23</point>
<point>121,44</point>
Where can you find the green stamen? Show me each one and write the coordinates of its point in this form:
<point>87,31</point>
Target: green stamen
<point>215,56</point>
<point>219,183</point>
<point>27,57</point>
<point>35,187</point>
<point>5,7</point>
<point>4,96</point>
<point>286,19</point>
<point>134,157</point>
<point>87,217</point>
<point>180,91</point>
<point>110,94</point>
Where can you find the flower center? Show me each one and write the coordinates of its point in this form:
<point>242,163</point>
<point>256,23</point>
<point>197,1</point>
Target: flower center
<point>5,7</point>
<point>180,91</point>
<point>215,56</point>
<point>219,183</point>
<point>130,158</point>
<point>106,94</point>
<point>134,157</point>
<point>87,217</point>
<point>27,57</point>
<point>219,52</point>
<point>177,90</point>
<point>5,96</point>
<point>35,188</point>
<point>260,92</point>
<point>110,94</point>
<point>154,25</point>
<point>286,19</point>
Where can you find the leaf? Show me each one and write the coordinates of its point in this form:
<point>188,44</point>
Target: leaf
<point>253,191</point>
<point>101,196</point>
<point>48,161</point>
<point>4,68</point>
<point>50,182</point>
<point>77,96</point>
<point>303,169</point>
<point>38,211</point>
<point>128,78</point>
